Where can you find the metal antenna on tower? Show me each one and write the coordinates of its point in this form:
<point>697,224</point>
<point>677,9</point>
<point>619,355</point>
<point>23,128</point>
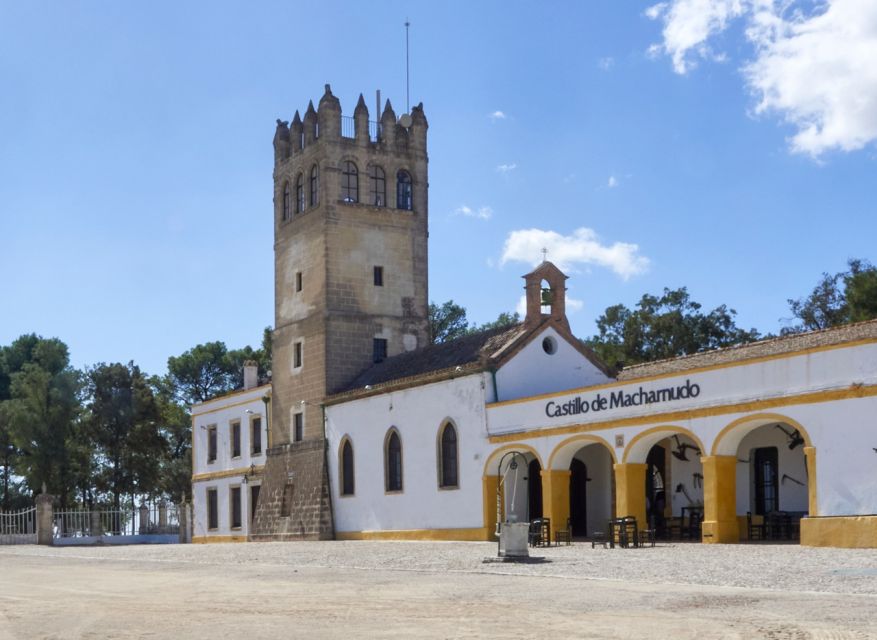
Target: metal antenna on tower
<point>407,83</point>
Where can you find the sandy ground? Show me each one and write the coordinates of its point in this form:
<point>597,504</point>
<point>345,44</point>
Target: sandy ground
<point>435,590</point>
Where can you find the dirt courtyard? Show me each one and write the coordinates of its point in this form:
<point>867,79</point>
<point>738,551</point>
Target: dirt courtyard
<point>435,590</point>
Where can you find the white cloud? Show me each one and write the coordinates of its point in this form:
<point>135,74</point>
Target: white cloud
<point>583,246</point>
<point>521,307</point>
<point>505,168</point>
<point>606,63</point>
<point>573,305</point>
<point>612,183</point>
<point>688,24</point>
<point>813,63</point>
<point>482,213</point>
<point>497,115</point>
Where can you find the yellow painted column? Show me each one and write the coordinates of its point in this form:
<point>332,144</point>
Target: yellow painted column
<point>630,492</point>
<point>810,459</point>
<point>555,497</point>
<point>489,487</point>
<point>720,499</point>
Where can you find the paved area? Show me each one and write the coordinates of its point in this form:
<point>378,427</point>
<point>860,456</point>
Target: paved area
<point>436,590</point>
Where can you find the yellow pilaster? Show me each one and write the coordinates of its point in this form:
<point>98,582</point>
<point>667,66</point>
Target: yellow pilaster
<point>555,497</point>
<point>490,484</point>
<point>810,459</point>
<point>630,492</point>
<point>720,499</point>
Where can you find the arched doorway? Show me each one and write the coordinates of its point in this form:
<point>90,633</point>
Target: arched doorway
<point>578,497</point>
<point>772,483</point>
<point>534,489</point>
<point>764,464</point>
<point>673,484</point>
<point>656,495</point>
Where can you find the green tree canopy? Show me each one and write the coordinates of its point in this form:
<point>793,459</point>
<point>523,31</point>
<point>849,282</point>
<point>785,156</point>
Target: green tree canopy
<point>664,326</point>
<point>39,407</point>
<point>123,425</point>
<point>448,322</point>
<point>846,296</point>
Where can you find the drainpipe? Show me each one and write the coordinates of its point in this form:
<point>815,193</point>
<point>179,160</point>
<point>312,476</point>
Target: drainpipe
<point>495,389</point>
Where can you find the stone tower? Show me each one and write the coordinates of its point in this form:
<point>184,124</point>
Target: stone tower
<point>350,285</point>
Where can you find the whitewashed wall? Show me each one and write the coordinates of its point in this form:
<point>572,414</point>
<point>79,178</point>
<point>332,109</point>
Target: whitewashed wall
<point>223,495</point>
<point>222,412</point>
<point>565,369</point>
<point>417,414</point>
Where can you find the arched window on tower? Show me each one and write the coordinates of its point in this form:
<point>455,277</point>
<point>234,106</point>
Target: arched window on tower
<point>448,457</point>
<point>349,182</point>
<point>393,461</point>
<point>378,184</point>
<point>346,481</point>
<point>299,194</point>
<point>315,185</point>
<point>286,202</point>
<point>404,192</point>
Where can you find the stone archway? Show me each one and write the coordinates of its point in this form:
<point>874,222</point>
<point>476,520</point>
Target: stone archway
<point>765,478</point>
<point>660,481</point>
<point>579,484</point>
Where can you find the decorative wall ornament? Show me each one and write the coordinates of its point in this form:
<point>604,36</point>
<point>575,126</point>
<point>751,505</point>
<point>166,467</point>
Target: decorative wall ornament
<point>681,448</point>
<point>786,476</point>
<point>795,437</point>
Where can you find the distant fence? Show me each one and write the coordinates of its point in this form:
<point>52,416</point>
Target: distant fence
<point>18,527</point>
<point>145,524</point>
<point>161,523</point>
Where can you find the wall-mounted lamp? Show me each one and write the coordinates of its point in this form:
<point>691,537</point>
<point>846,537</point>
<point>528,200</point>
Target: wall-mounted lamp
<point>249,474</point>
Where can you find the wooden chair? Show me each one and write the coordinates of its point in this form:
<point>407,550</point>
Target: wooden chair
<point>563,535</point>
<point>756,530</point>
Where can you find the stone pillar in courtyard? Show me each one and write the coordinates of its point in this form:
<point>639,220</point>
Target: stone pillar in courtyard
<point>720,499</point>
<point>94,524</point>
<point>630,492</point>
<point>555,497</point>
<point>45,533</point>
<point>144,520</point>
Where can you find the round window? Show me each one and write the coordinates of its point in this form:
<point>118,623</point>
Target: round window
<point>549,345</point>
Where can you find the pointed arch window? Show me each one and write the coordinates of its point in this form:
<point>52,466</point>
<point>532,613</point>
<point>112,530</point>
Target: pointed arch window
<point>315,185</point>
<point>349,182</point>
<point>299,194</point>
<point>378,186</point>
<point>393,462</point>
<point>286,201</point>
<point>346,481</point>
<point>404,192</point>
<point>448,477</point>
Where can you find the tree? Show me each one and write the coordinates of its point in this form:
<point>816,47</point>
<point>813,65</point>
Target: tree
<point>846,296</point>
<point>39,408</point>
<point>447,322</point>
<point>861,290</point>
<point>123,425</point>
<point>504,319</point>
<point>175,427</point>
<point>202,372</point>
<point>664,326</point>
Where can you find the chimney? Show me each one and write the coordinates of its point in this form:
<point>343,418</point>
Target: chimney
<point>251,374</point>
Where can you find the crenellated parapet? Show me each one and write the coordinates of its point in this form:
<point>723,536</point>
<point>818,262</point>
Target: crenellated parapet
<point>326,123</point>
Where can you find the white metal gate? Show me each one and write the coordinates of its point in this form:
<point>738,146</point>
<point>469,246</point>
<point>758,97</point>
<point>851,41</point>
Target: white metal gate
<point>18,527</point>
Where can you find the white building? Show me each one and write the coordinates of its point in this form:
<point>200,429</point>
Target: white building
<point>784,430</point>
<point>229,443</point>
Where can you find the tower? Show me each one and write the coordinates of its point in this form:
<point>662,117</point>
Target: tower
<point>350,284</point>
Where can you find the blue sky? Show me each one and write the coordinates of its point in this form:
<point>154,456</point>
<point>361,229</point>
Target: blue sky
<point>724,145</point>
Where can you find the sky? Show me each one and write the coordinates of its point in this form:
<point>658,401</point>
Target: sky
<point>727,146</point>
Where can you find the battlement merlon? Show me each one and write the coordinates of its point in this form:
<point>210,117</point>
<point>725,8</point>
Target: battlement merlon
<point>324,123</point>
